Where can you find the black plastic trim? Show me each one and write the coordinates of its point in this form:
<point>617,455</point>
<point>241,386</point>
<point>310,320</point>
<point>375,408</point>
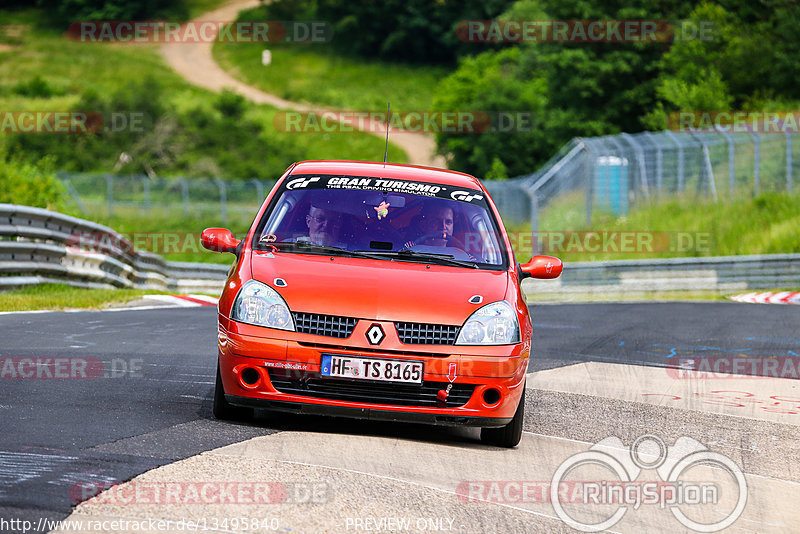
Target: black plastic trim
<point>367,413</point>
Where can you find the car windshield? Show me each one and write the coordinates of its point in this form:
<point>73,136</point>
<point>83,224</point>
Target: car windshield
<point>382,218</point>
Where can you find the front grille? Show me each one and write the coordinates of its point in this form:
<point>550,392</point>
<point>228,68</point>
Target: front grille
<point>324,325</point>
<point>410,353</point>
<point>427,334</point>
<point>392,394</point>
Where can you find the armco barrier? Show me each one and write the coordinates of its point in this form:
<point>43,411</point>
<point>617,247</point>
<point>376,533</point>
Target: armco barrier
<point>638,277</point>
<point>38,245</point>
<point>35,248</point>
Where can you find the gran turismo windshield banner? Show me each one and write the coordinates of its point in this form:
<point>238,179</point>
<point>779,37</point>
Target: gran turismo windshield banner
<point>383,217</point>
<point>387,185</point>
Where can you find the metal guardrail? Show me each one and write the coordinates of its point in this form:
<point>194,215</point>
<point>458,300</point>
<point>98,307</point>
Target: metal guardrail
<point>38,246</point>
<point>630,277</point>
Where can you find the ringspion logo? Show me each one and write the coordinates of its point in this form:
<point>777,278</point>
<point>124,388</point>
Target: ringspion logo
<point>676,489</point>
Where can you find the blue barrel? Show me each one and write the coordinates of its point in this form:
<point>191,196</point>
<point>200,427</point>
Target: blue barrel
<point>611,184</point>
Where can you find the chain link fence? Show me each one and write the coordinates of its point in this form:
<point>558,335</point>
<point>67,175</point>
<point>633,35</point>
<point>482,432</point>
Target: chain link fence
<point>613,173</point>
<point>609,174</point>
<point>231,201</point>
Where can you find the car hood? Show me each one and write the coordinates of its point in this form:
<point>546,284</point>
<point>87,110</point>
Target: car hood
<point>376,289</point>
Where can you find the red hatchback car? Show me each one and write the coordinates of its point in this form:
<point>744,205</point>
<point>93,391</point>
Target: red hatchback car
<point>377,291</point>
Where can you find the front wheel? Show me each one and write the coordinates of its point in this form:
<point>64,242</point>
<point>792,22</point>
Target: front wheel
<point>223,409</point>
<point>507,436</point>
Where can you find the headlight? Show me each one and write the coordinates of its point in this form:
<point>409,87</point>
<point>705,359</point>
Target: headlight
<point>493,324</point>
<point>261,305</point>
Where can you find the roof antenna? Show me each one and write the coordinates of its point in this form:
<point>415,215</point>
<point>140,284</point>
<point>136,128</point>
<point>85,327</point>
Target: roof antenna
<point>386,148</point>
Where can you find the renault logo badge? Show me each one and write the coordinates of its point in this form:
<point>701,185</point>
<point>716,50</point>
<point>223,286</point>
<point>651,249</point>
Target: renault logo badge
<point>375,334</point>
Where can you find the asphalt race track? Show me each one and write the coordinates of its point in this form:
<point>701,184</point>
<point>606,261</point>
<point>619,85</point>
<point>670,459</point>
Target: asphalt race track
<point>143,402</point>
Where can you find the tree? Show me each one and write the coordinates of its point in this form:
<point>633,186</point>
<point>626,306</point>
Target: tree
<point>750,63</point>
<point>64,12</point>
<point>573,88</point>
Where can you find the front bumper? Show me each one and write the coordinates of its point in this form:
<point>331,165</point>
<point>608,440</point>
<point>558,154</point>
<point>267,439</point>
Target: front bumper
<point>367,413</point>
<point>281,373</point>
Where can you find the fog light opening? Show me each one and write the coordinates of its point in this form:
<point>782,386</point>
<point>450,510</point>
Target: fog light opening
<point>250,376</point>
<point>491,396</point>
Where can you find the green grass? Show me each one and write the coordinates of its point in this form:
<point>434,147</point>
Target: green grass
<point>314,73</point>
<point>74,67</point>
<point>681,226</point>
<point>65,297</point>
<point>71,68</point>
<point>198,7</point>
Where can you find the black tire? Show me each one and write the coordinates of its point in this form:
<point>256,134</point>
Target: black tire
<point>507,436</point>
<point>223,409</point>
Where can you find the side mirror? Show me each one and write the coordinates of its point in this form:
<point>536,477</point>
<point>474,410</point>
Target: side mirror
<point>540,266</point>
<point>219,240</point>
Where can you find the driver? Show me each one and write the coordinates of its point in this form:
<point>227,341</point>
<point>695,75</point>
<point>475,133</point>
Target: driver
<point>435,226</point>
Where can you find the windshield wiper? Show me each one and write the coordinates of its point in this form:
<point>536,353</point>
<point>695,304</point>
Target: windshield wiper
<point>447,259</point>
<point>324,249</point>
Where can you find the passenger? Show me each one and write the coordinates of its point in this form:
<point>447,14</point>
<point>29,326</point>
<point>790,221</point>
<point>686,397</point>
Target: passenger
<point>324,226</point>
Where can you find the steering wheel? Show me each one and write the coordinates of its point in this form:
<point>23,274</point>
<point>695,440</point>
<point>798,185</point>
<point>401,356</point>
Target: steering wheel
<point>411,243</point>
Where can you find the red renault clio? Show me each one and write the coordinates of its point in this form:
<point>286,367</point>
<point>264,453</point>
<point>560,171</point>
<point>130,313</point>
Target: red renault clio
<point>377,291</point>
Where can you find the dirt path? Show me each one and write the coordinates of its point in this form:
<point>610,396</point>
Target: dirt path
<point>196,63</point>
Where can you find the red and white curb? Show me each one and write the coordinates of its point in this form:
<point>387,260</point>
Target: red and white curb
<point>784,297</point>
<point>184,301</point>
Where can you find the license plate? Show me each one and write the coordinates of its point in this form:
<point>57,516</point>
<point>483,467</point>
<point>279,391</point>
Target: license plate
<point>342,366</point>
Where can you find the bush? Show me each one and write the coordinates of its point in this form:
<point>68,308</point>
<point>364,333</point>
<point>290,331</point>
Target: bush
<point>496,82</point>
<point>30,184</point>
<point>419,31</point>
<point>570,88</point>
<point>64,12</point>
<point>100,150</point>
<point>37,87</point>
<point>206,140</point>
